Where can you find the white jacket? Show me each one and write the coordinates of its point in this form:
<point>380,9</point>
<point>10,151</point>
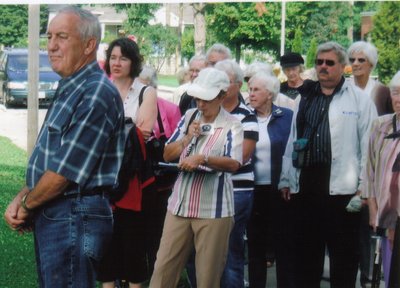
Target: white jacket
<point>351,113</point>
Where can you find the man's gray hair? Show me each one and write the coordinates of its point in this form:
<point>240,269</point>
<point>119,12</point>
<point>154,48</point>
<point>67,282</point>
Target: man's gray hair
<point>219,48</point>
<point>368,49</point>
<point>198,58</point>
<point>336,48</point>
<point>270,83</point>
<point>89,26</point>
<point>395,82</point>
<point>231,67</point>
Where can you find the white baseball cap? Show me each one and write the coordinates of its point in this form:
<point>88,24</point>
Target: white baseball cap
<point>209,84</point>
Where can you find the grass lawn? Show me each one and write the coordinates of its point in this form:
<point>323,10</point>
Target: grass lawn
<point>17,260</point>
<point>17,257</point>
<point>168,80</point>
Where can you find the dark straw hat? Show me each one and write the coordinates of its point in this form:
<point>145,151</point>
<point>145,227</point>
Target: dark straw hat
<point>291,59</point>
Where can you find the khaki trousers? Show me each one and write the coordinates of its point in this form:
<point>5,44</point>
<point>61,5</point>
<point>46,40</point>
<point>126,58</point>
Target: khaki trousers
<point>210,238</point>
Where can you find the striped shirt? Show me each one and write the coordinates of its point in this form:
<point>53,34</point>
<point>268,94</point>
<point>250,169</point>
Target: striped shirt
<point>317,106</point>
<point>82,137</point>
<point>378,171</point>
<point>244,177</point>
<point>204,194</point>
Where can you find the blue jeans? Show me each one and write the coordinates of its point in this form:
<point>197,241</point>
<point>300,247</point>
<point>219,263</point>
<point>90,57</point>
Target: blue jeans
<point>233,276</point>
<point>70,237</point>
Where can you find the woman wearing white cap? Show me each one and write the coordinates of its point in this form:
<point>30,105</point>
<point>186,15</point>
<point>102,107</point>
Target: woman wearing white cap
<point>200,209</point>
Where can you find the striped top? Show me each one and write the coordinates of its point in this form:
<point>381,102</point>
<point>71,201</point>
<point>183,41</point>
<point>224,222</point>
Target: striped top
<point>317,106</point>
<point>380,159</point>
<point>204,194</point>
<point>250,131</point>
<point>82,137</point>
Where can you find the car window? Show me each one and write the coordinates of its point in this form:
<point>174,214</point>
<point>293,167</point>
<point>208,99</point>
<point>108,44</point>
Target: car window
<point>20,63</point>
<point>17,63</point>
<point>44,64</point>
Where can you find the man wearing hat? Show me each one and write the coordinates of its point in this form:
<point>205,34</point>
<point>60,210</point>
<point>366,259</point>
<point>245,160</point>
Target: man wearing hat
<point>208,143</point>
<point>292,66</point>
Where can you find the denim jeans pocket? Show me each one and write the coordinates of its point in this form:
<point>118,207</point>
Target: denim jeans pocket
<point>97,225</point>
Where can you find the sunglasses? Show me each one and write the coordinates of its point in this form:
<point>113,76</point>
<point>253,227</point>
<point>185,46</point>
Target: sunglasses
<point>360,60</point>
<point>320,62</point>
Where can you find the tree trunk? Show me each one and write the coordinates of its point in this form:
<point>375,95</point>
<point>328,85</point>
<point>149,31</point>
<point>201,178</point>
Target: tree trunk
<point>238,50</point>
<point>199,28</point>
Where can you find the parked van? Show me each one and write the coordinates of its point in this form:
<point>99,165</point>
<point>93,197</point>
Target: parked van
<point>14,78</point>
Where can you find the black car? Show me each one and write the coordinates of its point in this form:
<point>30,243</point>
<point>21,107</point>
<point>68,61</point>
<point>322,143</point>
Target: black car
<point>14,77</point>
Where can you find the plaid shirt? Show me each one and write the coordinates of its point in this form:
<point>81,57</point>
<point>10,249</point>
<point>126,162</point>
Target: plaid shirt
<point>82,137</point>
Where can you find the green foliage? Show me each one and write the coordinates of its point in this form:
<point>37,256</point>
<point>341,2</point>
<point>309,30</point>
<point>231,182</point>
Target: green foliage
<point>297,45</point>
<point>385,36</point>
<point>14,24</point>
<point>311,53</point>
<point>238,25</point>
<point>17,261</point>
<point>157,43</point>
<point>187,43</point>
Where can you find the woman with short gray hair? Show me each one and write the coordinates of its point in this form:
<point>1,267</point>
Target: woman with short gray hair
<point>274,128</point>
<point>363,57</point>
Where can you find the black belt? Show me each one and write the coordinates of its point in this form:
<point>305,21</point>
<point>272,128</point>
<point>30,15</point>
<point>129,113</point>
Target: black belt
<point>102,190</point>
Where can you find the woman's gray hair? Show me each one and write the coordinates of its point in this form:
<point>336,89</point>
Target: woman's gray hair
<point>219,48</point>
<point>149,75</point>
<point>89,26</point>
<point>198,58</point>
<point>336,48</point>
<point>395,82</point>
<point>270,82</point>
<point>256,67</point>
<point>368,49</point>
<point>230,66</point>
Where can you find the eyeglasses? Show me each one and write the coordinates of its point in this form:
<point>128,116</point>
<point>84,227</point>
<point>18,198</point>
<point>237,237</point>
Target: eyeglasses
<point>360,60</point>
<point>328,62</point>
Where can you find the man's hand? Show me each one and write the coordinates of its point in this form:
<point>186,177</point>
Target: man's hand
<point>11,214</point>
<point>285,193</point>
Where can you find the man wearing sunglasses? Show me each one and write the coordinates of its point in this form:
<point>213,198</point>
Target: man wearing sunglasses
<point>334,118</point>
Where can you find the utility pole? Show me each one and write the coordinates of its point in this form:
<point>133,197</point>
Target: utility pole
<point>33,76</point>
<point>283,20</point>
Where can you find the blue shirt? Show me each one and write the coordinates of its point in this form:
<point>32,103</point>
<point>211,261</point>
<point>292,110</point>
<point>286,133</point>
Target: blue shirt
<point>82,137</point>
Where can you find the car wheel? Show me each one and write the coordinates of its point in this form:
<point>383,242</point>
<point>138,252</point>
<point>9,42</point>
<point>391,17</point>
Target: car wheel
<point>6,101</point>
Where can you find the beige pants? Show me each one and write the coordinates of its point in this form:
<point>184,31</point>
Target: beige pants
<point>210,238</point>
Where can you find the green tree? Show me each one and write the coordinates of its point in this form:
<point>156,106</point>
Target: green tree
<point>386,35</point>
<point>311,53</point>
<point>14,24</point>
<point>158,43</point>
<point>297,45</point>
<point>245,25</point>
<point>187,43</point>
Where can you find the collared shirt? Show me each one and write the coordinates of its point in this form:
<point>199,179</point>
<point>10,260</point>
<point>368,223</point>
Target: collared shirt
<point>82,137</point>
<point>250,131</point>
<point>378,172</point>
<point>207,194</point>
<point>317,106</point>
<point>131,102</point>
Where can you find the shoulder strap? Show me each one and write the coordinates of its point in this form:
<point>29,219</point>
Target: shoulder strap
<point>191,120</point>
<point>141,95</point>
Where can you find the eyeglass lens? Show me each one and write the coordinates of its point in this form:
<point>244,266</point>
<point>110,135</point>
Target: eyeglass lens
<point>328,62</point>
<point>360,60</point>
